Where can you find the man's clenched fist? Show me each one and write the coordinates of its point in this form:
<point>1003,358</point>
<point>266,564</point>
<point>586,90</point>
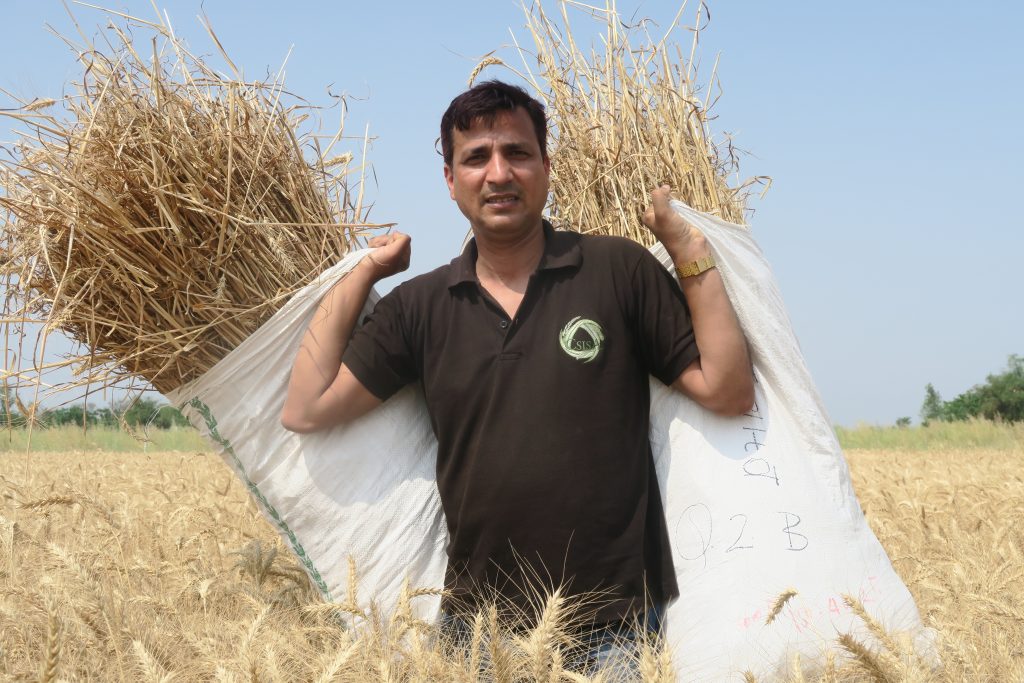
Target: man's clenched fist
<point>391,255</point>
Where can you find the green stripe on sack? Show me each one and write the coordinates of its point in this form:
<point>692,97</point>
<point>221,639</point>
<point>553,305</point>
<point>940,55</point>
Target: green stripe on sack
<point>300,552</point>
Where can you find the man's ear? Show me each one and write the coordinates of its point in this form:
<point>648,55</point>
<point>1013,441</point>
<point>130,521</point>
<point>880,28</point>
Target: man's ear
<point>449,178</point>
<point>547,164</point>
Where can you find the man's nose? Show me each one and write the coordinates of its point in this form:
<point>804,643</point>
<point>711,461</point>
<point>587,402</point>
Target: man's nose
<point>499,170</point>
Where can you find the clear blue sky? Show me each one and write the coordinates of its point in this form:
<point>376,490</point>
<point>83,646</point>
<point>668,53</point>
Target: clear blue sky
<point>891,131</point>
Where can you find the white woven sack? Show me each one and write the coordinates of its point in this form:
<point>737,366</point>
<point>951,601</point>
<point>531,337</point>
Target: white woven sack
<point>755,504</point>
<point>762,503</point>
<point>366,490</point>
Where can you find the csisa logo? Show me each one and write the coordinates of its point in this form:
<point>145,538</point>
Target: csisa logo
<point>583,347</point>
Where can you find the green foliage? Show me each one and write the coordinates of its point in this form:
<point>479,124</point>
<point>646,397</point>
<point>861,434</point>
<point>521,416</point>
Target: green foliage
<point>903,422</point>
<point>1001,397</point>
<point>139,425</point>
<point>100,438</point>
<point>933,406</point>
<point>143,413</point>
<point>964,406</point>
<point>77,416</point>
<point>1004,395</point>
<point>936,436</point>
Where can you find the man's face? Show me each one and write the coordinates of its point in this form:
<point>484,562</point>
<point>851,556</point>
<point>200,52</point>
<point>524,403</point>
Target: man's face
<point>498,175</point>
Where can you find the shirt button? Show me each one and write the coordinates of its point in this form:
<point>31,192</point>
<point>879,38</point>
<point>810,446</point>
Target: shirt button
<point>504,324</point>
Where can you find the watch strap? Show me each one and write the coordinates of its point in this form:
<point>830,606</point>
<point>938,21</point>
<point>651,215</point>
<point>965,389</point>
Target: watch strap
<point>696,267</point>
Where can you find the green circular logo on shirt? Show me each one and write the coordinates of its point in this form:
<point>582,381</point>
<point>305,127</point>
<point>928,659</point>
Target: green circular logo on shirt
<point>581,339</point>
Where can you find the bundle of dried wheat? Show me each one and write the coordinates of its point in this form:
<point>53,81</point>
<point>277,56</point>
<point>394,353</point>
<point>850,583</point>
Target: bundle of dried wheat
<point>168,210</point>
<point>625,119</point>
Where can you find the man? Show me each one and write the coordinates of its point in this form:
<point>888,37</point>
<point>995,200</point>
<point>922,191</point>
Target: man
<point>534,349</point>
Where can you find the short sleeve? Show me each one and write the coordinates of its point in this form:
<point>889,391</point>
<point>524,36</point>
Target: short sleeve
<point>379,353</point>
<point>664,330</point>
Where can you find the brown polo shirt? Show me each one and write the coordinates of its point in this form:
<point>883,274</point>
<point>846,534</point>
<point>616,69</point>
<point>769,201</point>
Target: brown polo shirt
<point>544,464</point>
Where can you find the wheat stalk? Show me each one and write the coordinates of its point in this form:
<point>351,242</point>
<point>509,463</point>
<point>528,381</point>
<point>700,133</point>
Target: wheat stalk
<point>876,628</point>
<point>865,658</point>
<point>796,670</point>
<point>150,668</point>
<point>483,64</point>
<point>780,602</point>
<point>337,663</point>
<point>501,660</point>
<point>543,646</point>
<point>828,673</point>
<point>51,661</point>
<point>476,646</point>
<point>48,502</point>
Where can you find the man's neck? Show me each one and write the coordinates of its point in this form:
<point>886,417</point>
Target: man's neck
<point>511,262</point>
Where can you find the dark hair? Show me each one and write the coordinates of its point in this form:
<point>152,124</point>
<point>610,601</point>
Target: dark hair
<point>482,103</point>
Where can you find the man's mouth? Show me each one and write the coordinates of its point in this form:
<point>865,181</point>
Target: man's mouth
<point>500,200</point>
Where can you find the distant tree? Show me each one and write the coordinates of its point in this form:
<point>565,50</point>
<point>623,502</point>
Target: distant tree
<point>903,422</point>
<point>933,408</point>
<point>1001,397</point>
<point>103,417</point>
<point>964,406</point>
<point>146,412</point>
<point>168,416</point>
<point>76,415</point>
<point>65,415</point>
<point>135,412</point>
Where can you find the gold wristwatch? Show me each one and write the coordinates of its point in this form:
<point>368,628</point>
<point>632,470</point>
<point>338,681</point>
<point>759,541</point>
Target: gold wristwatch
<point>696,267</point>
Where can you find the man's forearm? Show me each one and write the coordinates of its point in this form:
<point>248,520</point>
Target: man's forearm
<point>322,392</point>
<point>318,361</point>
<point>724,366</point>
<point>721,379</point>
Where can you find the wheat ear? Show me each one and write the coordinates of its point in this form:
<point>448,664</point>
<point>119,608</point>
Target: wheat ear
<point>780,602</point>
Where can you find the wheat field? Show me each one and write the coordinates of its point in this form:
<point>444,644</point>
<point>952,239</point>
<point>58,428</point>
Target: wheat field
<point>136,567</point>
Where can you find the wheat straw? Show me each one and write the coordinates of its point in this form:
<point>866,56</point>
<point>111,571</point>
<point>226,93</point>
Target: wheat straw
<point>52,651</point>
<point>867,660</point>
<point>780,602</point>
<point>167,210</point>
<point>625,118</point>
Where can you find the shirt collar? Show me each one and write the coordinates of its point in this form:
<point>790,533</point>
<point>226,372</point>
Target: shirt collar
<point>561,250</point>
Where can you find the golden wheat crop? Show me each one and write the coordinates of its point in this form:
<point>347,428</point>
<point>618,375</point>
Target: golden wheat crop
<point>128,566</point>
